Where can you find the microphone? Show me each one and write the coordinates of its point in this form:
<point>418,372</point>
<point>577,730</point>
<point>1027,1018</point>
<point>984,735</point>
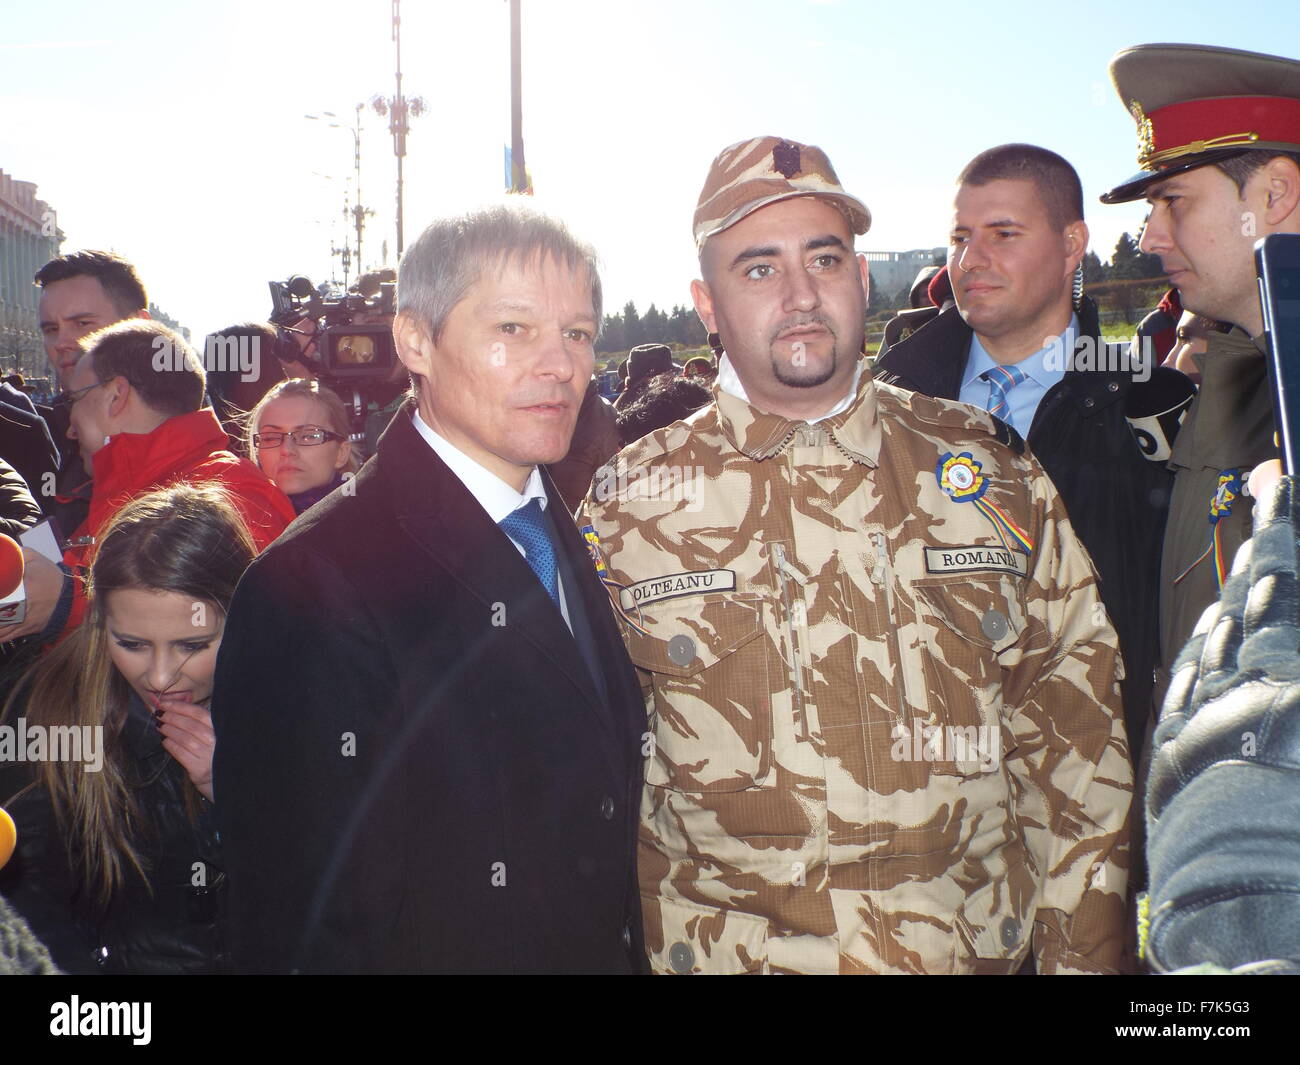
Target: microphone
<point>1155,409</point>
<point>13,596</point>
<point>8,837</point>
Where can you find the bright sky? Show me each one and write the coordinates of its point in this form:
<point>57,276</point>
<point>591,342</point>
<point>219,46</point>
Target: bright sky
<point>172,130</point>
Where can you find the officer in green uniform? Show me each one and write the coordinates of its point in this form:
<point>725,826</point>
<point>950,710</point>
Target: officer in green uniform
<point>1219,147</point>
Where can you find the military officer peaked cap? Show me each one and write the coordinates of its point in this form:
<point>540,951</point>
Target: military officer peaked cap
<point>1195,104</point>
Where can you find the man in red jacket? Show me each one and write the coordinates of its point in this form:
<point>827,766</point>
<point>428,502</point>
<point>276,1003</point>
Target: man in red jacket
<point>136,413</point>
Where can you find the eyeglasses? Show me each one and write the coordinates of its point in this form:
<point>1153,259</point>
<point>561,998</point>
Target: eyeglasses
<point>302,437</point>
<point>67,399</point>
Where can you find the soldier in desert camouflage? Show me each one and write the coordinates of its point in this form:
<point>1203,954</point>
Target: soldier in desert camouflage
<point>883,715</point>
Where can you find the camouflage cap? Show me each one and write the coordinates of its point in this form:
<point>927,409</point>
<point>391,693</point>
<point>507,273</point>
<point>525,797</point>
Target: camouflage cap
<point>1196,104</point>
<point>754,173</point>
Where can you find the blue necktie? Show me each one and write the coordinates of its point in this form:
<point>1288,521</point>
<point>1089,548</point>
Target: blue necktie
<point>527,527</point>
<point>1002,379</point>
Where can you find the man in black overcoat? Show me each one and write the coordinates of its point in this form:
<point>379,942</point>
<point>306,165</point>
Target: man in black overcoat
<point>429,736</point>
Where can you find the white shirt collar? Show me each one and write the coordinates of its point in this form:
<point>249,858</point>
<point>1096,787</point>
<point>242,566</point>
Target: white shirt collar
<point>493,494</point>
<point>729,382</point>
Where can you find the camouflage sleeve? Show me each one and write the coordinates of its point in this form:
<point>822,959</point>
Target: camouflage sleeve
<point>1070,760</point>
<point>583,516</point>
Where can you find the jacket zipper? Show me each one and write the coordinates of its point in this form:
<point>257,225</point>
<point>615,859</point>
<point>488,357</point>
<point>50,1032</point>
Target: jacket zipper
<point>786,573</point>
<point>880,576</point>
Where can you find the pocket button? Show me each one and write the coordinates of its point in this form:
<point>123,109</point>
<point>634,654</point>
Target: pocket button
<point>1010,932</point>
<point>681,957</point>
<point>994,624</point>
<point>681,651</point>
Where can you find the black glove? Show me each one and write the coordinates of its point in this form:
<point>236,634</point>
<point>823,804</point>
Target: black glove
<point>1223,800</point>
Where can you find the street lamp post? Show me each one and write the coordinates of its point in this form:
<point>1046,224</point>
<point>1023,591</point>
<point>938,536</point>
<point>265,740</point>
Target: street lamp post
<point>358,213</point>
<point>400,111</point>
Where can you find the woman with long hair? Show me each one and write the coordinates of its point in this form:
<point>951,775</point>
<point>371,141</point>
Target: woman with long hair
<point>118,867</point>
<point>299,435</point>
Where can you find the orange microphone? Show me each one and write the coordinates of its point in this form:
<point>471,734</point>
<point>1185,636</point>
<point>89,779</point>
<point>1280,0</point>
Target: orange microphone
<point>13,596</point>
<point>8,837</point>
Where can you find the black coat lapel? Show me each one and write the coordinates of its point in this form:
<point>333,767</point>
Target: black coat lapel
<point>441,515</point>
<point>607,649</point>
<point>575,577</point>
<point>932,360</point>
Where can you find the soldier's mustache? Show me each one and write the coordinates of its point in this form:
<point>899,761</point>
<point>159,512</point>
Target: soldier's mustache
<point>794,324</point>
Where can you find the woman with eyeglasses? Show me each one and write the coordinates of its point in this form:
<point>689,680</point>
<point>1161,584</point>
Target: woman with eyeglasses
<point>298,435</point>
<point>118,866</point>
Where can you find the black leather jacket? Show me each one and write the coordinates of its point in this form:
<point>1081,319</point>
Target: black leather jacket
<point>174,926</point>
<point>1224,795</point>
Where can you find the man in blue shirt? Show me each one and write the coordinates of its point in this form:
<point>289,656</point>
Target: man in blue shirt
<point>1041,370</point>
<point>1019,343</point>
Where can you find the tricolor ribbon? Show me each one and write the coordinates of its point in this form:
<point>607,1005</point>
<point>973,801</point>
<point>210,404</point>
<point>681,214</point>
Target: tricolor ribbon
<point>612,587</point>
<point>1226,493</point>
<point>962,479</point>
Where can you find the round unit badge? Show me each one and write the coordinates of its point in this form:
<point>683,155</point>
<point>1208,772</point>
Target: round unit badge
<point>961,477</point>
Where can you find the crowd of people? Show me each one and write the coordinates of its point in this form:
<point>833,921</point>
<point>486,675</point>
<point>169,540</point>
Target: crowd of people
<point>789,660</point>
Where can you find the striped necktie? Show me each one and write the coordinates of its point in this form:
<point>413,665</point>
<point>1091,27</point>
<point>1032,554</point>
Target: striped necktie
<point>1001,379</point>
<point>527,527</point>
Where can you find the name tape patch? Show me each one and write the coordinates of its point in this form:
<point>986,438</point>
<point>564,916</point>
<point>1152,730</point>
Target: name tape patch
<point>673,585</point>
<point>974,559</point>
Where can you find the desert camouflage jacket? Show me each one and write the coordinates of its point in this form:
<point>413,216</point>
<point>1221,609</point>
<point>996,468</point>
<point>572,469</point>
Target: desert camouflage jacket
<point>884,731</point>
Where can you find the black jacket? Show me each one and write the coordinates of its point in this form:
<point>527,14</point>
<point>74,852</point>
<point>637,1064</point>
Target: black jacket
<point>1116,498</point>
<point>25,444</point>
<point>418,767</point>
<point>176,929</point>
<point>18,510</point>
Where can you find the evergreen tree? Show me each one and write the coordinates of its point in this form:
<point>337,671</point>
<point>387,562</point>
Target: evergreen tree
<point>611,334</point>
<point>1093,269</point>
<point>633,334</point>
<point>654,326</point>
<point>1126,262</point>
<point>1150,265</point>
<point>685,327</point>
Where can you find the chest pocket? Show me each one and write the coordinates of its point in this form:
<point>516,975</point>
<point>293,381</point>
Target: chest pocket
<point>712,713</point>
<point>967,624</point>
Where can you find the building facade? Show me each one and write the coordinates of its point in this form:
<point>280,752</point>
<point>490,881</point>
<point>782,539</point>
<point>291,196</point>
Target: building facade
<point>29,238</point>
<point>895,270</point>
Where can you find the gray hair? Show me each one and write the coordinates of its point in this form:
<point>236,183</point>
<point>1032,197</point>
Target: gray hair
<point>453,253</point>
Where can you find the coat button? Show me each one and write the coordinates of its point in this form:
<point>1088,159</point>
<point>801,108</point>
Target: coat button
<point>1089,402</point>
<point>1010,932</point>
<point>681,957</point>
<point>1113,386</point>
<point>681,651</point>
<point>607,808</point>
<point>627,935</point>
<point>994,624</point>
